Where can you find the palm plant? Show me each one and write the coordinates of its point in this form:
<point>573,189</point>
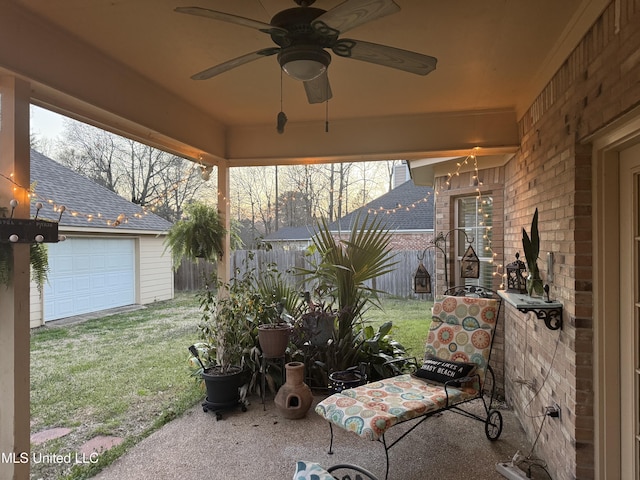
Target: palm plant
<point>343,273</point>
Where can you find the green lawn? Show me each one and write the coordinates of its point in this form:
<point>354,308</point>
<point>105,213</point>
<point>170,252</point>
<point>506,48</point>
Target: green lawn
<point>410,319</point>
<point>123,375</point>
<point>126,375</point>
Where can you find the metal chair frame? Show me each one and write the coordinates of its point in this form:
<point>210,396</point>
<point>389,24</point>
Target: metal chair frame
<point>492,419</point>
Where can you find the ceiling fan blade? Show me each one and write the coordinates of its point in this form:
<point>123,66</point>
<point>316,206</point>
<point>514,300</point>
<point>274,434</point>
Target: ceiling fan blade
<point>318,90</point>
<point>406,60</point>
<point>227,17</point>
<point>236,62</point>
<point>352,13</point>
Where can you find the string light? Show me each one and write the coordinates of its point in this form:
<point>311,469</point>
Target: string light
<point>482,202</point>
<point>400,207</point>
<point>91,217</point>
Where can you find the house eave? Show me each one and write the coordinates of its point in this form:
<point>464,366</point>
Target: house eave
<point>64,229</point>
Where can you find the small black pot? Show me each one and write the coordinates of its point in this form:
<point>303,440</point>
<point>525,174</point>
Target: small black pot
<point>350,378</point>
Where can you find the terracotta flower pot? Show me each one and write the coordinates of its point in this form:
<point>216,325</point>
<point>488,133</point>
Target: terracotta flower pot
<point>274,339</point>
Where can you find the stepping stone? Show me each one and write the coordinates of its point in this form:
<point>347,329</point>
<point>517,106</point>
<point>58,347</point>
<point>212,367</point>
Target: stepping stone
<point>49,434</point>
<point>100,444</point>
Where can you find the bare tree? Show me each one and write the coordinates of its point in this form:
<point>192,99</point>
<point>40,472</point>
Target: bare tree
<point>147,176</point>
<point>92,152</point>
<point>254,194</point>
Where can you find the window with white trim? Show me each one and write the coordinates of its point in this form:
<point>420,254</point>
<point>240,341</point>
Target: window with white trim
<point>474,216</point>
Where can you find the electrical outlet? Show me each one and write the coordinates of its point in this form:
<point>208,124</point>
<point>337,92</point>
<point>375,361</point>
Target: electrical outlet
<point>510,471</point>
<point>553,411</point>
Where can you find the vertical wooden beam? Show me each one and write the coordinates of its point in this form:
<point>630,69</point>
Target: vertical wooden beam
<point>224,209</point>
<point>14,314</point>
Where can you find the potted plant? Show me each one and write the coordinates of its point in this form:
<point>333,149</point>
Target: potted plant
<point>531,246</point>
<point>200,234</point>
<point>275,304</point>
<point>225,333</point>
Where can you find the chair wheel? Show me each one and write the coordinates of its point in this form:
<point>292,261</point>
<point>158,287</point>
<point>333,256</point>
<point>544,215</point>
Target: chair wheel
<point>493,425</point>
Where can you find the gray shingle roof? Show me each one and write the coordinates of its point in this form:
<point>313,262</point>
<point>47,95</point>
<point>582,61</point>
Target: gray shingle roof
<point>406,207</point>
<point>57,183</point>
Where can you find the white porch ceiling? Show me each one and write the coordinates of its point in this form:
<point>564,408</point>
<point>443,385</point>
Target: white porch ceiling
<point>125,65</point>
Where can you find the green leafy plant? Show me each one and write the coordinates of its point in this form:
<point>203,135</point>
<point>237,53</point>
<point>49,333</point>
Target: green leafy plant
<point>531,246</point>
<point>226,325</point>
<point>378,348</point>
<point>39,258</point>
<point>199,235</point>
<point>346,266</point>
<point>279,296</point>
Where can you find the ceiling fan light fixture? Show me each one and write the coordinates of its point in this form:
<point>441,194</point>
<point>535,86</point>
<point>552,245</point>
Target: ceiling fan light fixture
<point>304,63</point>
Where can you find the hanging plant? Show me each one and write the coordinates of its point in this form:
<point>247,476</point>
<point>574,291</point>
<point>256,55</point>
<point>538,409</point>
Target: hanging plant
<point>39,258</point>
<point>199,235</point>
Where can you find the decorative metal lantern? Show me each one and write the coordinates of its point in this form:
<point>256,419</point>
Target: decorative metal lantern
<point>470,264</point>
<point>516,276</point>
<point>422,280</point>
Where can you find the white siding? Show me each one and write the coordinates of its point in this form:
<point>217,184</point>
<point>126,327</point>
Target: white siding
<point>35,302</point>
<point>154,270</point>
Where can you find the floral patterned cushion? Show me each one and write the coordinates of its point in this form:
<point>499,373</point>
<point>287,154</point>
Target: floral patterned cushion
<point>311,471</point>
<point>371,409</point>
<point>462,330</point>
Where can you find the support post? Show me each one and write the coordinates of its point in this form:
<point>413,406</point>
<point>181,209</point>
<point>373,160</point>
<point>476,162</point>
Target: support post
<point>14,314</point>
<point>224,209</point>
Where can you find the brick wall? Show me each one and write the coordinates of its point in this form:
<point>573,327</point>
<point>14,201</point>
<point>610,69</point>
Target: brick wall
<point>552,171</point>
<point>411,241</point>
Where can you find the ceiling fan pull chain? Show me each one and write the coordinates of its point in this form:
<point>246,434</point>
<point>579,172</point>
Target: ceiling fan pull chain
<point>326,113</point>
<point>281,119</point>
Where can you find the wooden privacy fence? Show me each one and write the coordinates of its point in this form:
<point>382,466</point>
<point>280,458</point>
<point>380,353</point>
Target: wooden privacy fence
<point>399,282</point>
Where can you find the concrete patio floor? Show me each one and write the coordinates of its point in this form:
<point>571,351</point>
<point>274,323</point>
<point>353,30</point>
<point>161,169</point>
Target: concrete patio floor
<point>261,444</point>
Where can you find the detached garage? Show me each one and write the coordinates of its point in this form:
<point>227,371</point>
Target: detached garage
<point>113,255</point>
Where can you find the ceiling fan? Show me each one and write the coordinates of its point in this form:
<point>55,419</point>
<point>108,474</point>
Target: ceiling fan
<point>303,33</point>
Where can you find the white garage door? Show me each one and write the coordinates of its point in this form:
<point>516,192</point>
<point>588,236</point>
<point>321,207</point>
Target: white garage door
<point>88,275</point>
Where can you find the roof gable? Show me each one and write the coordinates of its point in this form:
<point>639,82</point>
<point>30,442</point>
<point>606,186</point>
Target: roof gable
<point>406,207</point>
<point>87,203</point>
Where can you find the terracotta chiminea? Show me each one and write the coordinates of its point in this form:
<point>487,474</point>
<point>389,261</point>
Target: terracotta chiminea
<point>294,398</point>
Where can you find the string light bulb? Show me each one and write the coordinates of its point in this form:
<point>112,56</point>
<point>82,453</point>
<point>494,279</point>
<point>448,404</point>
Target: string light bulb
<point>13,203</point>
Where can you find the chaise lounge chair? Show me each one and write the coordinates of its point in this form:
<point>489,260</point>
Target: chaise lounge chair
<point>455,371</point>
